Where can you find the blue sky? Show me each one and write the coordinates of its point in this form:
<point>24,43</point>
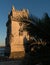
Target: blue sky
<point>35,7</point>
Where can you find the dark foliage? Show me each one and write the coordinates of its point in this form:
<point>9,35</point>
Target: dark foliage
<point>38,53</point>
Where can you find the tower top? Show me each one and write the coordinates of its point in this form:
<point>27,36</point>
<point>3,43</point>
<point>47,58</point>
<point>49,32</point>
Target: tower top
<point>18,14</point>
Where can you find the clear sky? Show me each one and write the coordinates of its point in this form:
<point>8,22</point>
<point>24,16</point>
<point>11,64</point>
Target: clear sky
<point>36,7</point>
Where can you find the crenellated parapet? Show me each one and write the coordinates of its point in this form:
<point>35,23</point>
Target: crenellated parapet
<point>18,15</point>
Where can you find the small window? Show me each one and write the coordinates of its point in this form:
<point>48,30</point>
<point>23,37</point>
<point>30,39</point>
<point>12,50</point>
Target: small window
<point>20,32</point>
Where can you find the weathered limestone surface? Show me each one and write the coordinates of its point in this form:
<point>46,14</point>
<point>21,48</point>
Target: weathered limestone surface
<point>15,32</point>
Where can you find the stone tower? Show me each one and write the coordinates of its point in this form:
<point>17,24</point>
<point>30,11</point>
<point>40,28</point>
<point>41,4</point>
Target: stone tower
<point>16,33</point>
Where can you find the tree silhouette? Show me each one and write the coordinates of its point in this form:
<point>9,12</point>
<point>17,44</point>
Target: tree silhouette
<point>39,51</point>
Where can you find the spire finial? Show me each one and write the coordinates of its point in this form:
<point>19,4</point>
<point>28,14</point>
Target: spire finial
<point>13,8</point>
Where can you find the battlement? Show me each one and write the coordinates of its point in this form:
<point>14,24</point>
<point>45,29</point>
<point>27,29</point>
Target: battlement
<point>18,14</point>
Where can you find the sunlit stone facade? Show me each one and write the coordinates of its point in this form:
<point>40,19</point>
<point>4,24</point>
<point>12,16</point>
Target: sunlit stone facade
<point>16,32</point>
